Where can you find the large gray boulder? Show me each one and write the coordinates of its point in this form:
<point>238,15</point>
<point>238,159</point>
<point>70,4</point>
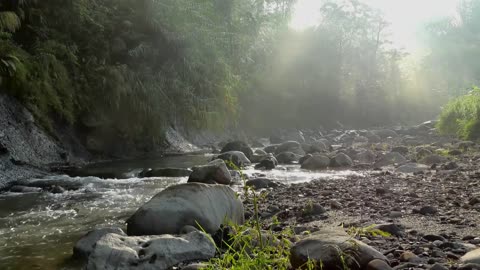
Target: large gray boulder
<point>86,244</point>
<point>290,146</point>
<point>215,171</point>
<point>316,162</point>
<point>190,204</point>
<point>238,146</point>
<point>287,158</point>
<point>341,160</point>
<point>116,252</point>
<point>235,159</point>
<point>328,246</point>
<point>267,163</point>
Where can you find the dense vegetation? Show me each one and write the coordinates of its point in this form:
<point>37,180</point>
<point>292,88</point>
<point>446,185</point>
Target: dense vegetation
<point>128,69</point>
<point>453,68</point>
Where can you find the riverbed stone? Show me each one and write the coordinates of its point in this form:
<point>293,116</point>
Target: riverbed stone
<point>267,163</point>
<point>433,159</point>
<point>326,246</point>
<point>86,244</point>
<point>341,160</point>
<point>234,159</point>
<point>116,252</point>
<point>215,171</point>
<point>472,257</point>
<point>200,205</point>
<point>287,158</point>
<point>238,146</point>
<point>290,146</point>
<point>316,162</point>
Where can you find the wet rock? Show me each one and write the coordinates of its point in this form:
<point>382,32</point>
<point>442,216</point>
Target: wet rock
<point>86,244</point>
<point>238,146</point>
<point>341,160</point>
<point>317,162</point>
<point>290,146</point>
<point>113,252</point>
<point>234,159</point>
<point>326,245</point>
<point>378,265</point>
<point>165,172</point>
<point>304,158</point>
<point>268,163</point>
<point>57,190</point>
<point>287,158</point>
<point>271,148</point>
<point>390,159</point>
<point>260,152</point>
<point>472,257</point>
<point>24,189</point>
<point>215,171</point>
<point>318,147</point>
<point>260,183</point>
<point>412,168</point>
<point>192,204</point>
<point>49,183</point>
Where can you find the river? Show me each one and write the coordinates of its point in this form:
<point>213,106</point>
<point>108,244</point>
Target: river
<point>38,230</point>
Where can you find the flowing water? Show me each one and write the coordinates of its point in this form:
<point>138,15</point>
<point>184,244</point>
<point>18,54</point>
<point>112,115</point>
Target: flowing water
<point>38,230</point>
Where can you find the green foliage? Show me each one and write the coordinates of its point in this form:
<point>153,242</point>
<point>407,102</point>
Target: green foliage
<point>367,231</point>
<point>9,21</point>
<point>461,116</point>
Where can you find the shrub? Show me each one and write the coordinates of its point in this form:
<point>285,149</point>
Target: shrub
<point>461,116</point>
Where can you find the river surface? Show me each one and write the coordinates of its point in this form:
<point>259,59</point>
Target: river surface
<point>38,230</point>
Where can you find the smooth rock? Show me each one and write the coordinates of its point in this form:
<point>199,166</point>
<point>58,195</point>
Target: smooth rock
<point>115,252</point>
<point>471,257</point>
<point>317,162</point>
<point>194,204</point>
<point>86,244</point>
<point>341,160</point>
<point>238,146</point>
<point>215,171</point>
<point>234,159</point>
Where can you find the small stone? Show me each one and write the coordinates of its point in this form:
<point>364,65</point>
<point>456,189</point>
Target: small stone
<point>438,266</point>
<point>409,256</point>
<point>378,265</point>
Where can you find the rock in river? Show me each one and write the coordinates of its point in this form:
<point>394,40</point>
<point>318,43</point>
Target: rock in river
<point>238,146</point>
<point>215,171</point>
<point>190,204</point>
<point>116,252</point>
<point>235,159</point>
<point>165,172</point>
<point>85,245</point>
<point>317,162</point>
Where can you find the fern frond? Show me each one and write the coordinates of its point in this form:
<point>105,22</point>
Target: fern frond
<point>9,21</point>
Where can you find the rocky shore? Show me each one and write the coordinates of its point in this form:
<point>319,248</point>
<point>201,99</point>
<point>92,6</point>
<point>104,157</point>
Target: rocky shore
<point>413,204</point>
